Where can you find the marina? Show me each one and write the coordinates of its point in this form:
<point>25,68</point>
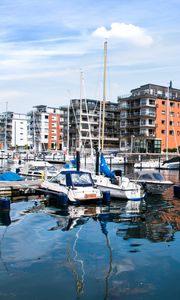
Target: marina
<point>123,249</point>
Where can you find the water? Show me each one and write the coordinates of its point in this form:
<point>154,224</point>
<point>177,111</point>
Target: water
<point>122,251</point>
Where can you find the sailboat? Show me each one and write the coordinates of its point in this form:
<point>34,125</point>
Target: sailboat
<point>119,186</point>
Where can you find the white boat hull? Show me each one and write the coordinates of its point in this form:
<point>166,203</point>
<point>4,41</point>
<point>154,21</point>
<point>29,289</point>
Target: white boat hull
<point>73,195</point>
<point>126,190</point>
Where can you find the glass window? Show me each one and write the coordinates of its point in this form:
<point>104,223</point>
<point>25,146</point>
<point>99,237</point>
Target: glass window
<point>79,179</point>
<point>171,132</point>
<point>60,178</point>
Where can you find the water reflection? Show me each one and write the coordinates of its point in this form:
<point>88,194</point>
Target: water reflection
<point>101,252</point>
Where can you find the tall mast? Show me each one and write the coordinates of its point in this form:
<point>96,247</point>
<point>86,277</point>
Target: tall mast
<point>5,132</point>
<point>80,110</point>
<point>34,132</point>
<point>68,131</point>
<point>104,95</point>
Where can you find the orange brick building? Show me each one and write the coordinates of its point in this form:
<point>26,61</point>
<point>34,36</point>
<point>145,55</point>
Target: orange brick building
<point>168,123</point>
<point>150,119</point>
<point>46,128</point>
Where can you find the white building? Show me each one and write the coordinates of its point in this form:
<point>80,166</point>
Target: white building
<point>19,130</point>
<point>13,130</point>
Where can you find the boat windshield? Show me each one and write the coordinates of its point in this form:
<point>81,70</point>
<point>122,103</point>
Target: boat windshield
<point>152,176</point>
<point>158,176</point>
<point>81,179</point>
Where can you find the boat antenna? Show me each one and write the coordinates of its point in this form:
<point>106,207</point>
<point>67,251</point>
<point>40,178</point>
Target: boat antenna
<point>104,95</point>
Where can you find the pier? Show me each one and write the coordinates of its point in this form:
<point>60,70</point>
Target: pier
<point>16,188</point>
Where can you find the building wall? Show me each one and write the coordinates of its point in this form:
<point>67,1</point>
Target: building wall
<point>173,118</point>
<point>19,130</point>
<point>54,141</point>
<point>48,123</point>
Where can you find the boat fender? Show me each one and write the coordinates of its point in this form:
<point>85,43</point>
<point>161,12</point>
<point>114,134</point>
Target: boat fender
<point>62,200</point>
<point>17,170</point>
<point>106,196</point>
<point>177,191</point>
<point>4,204</point>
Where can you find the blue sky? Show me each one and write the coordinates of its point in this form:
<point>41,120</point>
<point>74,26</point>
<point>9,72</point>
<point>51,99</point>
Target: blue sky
<point>45,44</point>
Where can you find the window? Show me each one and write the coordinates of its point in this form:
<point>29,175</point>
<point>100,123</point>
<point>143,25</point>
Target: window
<point>151,122</point>
<point>163,112</point>
<point>171,132</point>
<point>60,178</point>
<point>163,122</point>
<point>163,102</point>
<point>143,101</point>
<point>143,122</point>
<point>171,123</point>
<point>171,104</point>
<point>163,131</point>
<point>171,114</point>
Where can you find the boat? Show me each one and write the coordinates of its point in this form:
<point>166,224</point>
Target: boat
<point>41,169</point>
<point>149,164</point>
<point>114,159</point>
<point>119,186</point>
<point>76,186</point>
<point>152,181</point>
<point>171,164</point>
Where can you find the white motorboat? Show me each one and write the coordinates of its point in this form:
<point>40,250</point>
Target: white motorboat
<point>171,164</point>
<point>41,169</point>
<point>149,164</point>
<point>152,181</point>
<point>76,186</point>
<point>120,188</point>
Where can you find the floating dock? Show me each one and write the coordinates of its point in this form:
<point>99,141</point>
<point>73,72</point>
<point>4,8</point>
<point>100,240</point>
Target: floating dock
<point>16,188</point>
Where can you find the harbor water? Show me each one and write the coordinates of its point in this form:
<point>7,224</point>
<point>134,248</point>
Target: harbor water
<point>125,250</point>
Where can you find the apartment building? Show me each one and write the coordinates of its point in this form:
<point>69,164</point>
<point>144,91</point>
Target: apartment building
<point>46,128</point>
<point>13,130</point>
<point>150,119</point>
<point>85,124</point>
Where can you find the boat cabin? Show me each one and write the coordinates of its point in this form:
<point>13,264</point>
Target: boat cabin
<point>73,178</point>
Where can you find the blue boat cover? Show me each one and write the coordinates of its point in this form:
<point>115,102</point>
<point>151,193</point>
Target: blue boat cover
<point>10,176</point>
<point>104,168</point>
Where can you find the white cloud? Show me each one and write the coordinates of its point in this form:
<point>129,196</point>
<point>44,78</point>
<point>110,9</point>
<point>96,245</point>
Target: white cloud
<point>126,32</point>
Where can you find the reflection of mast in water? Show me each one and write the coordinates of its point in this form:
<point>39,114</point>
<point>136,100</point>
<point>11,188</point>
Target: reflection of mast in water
<point>73,261</point>
<point>5,221</point>
<point>104,230</point>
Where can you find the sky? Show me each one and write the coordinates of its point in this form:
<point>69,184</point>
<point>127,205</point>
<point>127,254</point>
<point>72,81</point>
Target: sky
<point>52,51</point>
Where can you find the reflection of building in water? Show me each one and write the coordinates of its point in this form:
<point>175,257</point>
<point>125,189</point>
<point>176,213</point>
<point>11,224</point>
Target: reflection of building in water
<point>158,224</point>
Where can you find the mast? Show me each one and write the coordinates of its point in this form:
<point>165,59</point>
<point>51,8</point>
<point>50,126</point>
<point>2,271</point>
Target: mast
<point>100,109</point>
<point>5,132</point>
<point>80,111</point>
<point>67,131</point>
<point>104,95</point>
<point>34,132</point>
